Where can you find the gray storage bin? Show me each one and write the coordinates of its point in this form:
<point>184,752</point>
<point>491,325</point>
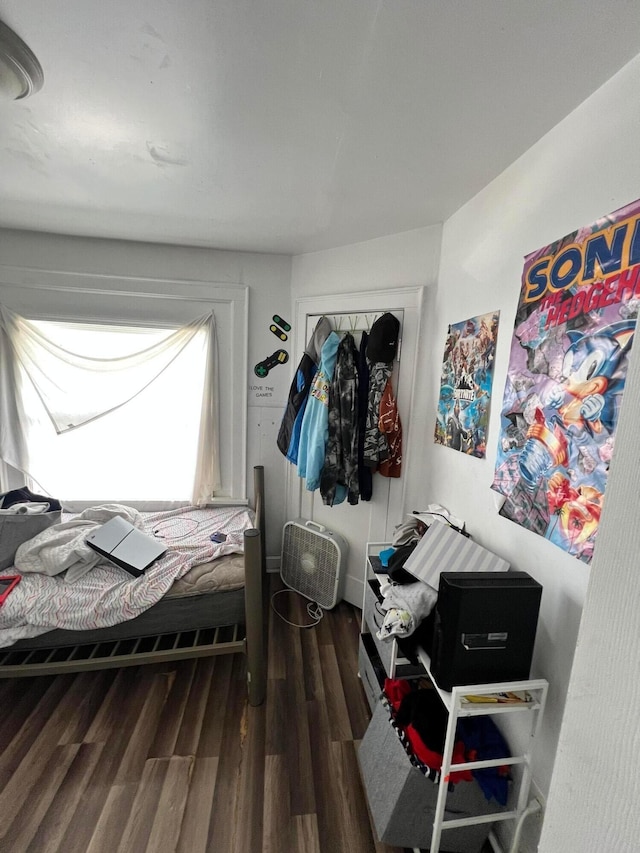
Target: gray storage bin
<point>402,799</point>
<point>20,527</point>
<point>17,529</point>
<point>374,620</point>
<point>370,670</point>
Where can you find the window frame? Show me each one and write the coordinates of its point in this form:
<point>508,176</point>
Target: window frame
<point>89,297</point>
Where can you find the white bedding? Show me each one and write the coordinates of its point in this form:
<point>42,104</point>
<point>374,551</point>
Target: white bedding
<point>106,595</point>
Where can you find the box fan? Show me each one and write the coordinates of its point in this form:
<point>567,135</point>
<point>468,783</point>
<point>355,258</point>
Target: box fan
<point>312,561</point>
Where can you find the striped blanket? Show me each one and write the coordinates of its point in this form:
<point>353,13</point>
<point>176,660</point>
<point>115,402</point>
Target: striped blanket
<point>107,595</point>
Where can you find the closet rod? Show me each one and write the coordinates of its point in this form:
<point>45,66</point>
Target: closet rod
<point>354,319</point>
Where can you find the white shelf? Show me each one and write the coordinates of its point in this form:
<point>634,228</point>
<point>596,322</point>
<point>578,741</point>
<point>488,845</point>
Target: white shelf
<point>476,709</point>
<point>457,707</point>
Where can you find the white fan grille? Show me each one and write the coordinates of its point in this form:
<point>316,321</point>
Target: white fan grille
<point>310,564</point>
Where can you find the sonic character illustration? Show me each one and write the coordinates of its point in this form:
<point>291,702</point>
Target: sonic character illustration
<point>569,441</point>
<point>585,397</point>
<point>591,378</point>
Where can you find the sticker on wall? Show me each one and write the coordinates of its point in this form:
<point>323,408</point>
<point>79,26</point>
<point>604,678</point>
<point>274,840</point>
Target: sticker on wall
<point>262,368</point>
<point>574,329</point>
<point>282,323</point>
<point>466,380</point>
<point>278,332</point>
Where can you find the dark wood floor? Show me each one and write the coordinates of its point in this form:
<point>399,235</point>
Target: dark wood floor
<point>171,757</point>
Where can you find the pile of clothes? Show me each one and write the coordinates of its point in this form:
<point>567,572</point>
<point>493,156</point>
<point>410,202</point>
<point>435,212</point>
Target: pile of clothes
<point>421,716</point>
<point>341,422</point>
<point>407,601</point>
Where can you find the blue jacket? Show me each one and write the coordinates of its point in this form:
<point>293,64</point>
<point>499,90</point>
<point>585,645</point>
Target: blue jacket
<point>315,423</point>
<point>289,433</point>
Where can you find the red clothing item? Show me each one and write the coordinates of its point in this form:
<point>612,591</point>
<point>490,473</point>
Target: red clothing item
<point>390,426</point>
<point>434,759</point>
<point>395,690</point>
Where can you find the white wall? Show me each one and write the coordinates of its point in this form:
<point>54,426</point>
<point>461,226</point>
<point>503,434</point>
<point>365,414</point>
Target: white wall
<point>595,788</point>
<point>268,278</point>
<point>585,168</point>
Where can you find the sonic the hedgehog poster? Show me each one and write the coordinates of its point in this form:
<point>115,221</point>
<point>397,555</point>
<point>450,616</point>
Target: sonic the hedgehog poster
<point>573,332</point>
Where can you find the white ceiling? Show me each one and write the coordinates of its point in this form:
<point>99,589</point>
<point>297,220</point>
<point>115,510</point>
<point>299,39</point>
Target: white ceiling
<point>287,125</point>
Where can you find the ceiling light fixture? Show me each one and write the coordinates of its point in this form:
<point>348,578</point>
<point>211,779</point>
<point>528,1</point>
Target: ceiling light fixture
<point>20,72</point>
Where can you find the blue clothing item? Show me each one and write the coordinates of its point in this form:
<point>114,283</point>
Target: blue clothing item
<point>289,433</point>
<point>303,383</point>
<point>484,740</point>
<point>385,555</point>
<point>314,431</point>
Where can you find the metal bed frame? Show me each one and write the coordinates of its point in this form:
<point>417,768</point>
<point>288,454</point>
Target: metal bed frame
<point>171,646</point>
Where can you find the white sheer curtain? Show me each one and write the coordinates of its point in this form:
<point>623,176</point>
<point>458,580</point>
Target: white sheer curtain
<point>76,389</point>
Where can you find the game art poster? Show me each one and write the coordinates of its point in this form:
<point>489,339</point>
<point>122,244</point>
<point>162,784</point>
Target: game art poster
<point>465,385</point>
<point>573,333</point>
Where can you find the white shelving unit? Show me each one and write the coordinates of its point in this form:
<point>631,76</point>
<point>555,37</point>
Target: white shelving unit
<point>456,706</point>
<point>454,702</point>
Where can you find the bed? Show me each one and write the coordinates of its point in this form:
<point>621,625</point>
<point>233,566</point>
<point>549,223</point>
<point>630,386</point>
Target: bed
<point>194,618</point>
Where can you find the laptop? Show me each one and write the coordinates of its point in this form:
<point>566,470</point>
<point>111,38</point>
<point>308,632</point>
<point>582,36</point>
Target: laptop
<point>126,546</point>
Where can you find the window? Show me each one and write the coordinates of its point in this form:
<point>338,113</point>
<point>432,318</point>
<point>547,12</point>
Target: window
<point>111,309</point>
<point>147,448</point>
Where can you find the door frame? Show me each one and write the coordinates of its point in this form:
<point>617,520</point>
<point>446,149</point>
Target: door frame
<point>388,502</point>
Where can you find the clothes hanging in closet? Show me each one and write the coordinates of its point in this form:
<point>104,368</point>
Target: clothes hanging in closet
<point>383,431</point>
<point>391,427</point>
<point>341,422</point>
<point>315,422</point>
<point>339,478</point>
<point>365,474</point>
<point>376,449</point>
<point>288,439</point>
